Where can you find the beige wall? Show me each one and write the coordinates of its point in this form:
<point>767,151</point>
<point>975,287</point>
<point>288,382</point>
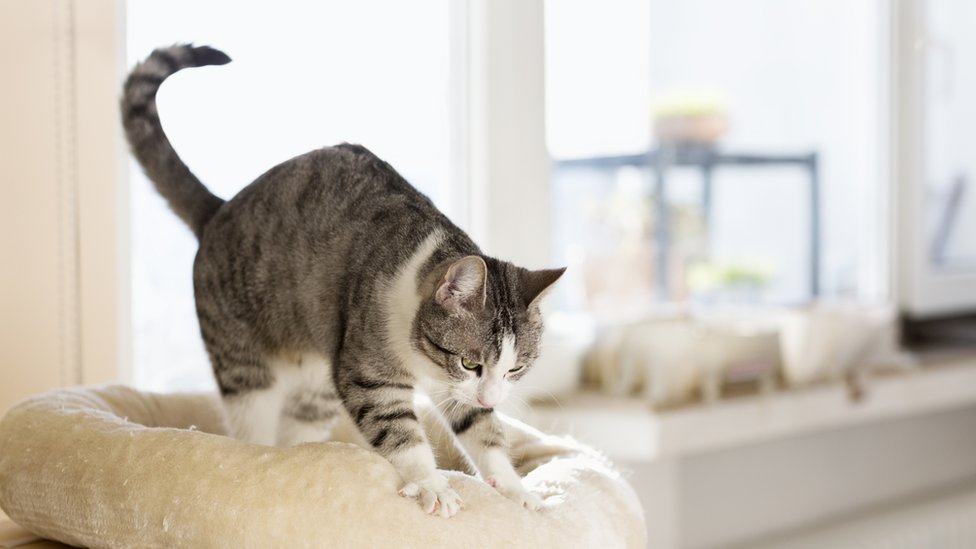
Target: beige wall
<point>63,266</point>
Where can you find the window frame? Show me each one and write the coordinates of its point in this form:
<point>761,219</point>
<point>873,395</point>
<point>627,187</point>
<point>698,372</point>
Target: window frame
<point>502,164</point>
<point>922,292</point>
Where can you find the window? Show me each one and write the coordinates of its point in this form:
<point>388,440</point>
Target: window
<point>305,75</point>
<point>935,167</point>
<point>772,174</point>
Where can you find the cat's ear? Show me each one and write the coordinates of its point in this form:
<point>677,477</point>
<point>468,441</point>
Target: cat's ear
<point>463,285</point>
<point>536,284</point>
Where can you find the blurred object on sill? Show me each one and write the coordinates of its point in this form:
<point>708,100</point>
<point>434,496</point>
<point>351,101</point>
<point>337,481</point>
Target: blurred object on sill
<point>683,116</point>
<point>740,350</point>
<point>656,358</point>
<point>671,360</point>
<point>674,359</point>
<point>835,341</point>
<point>631,428</point>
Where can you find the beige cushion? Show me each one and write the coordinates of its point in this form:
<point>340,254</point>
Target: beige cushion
<point>114,467</point>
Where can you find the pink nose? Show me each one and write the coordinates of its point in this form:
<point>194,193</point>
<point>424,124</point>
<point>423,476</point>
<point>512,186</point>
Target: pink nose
<point>485,403</point>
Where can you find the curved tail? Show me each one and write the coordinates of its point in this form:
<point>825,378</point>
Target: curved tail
<point>186,195</point>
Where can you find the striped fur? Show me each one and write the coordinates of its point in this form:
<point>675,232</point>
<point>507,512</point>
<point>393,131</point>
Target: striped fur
<point>330,285</point>
<point>186,195</point>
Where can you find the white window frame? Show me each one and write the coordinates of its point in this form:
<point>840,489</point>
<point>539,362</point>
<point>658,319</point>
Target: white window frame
<point>922,290</point>
<point>501,164</point>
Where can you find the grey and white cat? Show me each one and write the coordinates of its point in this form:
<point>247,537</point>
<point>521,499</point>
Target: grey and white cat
<point>330,283</point>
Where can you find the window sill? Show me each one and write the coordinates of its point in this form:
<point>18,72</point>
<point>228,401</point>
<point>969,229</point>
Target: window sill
<point>628,429</point>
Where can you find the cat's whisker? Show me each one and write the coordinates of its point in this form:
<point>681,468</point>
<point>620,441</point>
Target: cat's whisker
<point>550,397</point>
<point>439,405</point>
<point>523,408</point>
<point>443,403</point>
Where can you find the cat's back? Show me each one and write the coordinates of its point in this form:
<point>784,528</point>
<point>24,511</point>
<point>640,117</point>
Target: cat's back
<point>326,191</point>
<point>337,209</point>
<point>276,253</point>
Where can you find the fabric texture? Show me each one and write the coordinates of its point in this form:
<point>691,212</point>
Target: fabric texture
<point>114,467</point>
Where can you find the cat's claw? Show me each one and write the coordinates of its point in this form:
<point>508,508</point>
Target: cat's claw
<point>516,493</point>
<point>435,496</point>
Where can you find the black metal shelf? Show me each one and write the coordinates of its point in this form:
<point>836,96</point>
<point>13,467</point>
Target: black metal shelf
<point>707,158</point>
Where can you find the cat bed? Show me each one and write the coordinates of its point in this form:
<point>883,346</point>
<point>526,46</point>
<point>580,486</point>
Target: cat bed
<point>114,467</point>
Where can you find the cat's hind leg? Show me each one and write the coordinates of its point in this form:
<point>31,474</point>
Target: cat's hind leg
<point>297,430</point>
<point>312,405</point>
<point>254,416</point>
<point>253,397</point>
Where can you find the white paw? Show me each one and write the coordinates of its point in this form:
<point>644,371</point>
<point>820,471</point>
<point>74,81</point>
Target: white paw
<point>434,495</point>
<point>515,492</point>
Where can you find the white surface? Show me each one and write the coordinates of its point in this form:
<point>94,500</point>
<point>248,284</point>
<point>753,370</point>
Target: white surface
<point>945,522</point>
<point>780,485</point>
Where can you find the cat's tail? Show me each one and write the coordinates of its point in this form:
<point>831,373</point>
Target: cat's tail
<point>186,195</point>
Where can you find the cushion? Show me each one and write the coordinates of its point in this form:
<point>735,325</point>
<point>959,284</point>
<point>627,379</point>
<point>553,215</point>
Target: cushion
<point>111,466</point>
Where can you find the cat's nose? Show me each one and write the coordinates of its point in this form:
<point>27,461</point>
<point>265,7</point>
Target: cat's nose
<point>485,402</point>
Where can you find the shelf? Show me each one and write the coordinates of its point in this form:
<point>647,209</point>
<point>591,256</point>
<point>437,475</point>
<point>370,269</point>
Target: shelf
<point>688,155</point>
<point>628,429</point>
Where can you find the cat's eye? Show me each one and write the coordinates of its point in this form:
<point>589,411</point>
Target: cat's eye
<point>438,347</point>
<point>516,369</point>
<point>468,363</point>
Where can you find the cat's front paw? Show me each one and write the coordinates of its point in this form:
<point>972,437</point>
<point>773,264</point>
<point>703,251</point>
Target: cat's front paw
<point>515,492</point>
<point>434,495</point>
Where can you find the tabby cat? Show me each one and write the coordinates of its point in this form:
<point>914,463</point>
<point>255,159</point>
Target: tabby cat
<point>330,285</point>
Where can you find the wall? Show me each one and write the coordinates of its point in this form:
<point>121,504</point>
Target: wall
<point>749,492</point>
<point>63,307</point>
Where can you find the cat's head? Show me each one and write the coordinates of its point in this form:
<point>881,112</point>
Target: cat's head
<point>482,325</point>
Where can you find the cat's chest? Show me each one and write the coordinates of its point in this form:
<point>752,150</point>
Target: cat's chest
<point>401,301</point>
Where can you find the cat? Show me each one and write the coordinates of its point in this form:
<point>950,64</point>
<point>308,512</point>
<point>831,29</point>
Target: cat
<point>330,285</point>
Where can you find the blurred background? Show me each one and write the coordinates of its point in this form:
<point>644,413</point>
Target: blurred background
<point>767,211</point>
